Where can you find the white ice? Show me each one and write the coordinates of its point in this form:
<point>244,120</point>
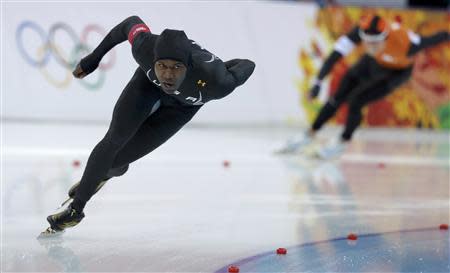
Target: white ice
<point>180,210</point>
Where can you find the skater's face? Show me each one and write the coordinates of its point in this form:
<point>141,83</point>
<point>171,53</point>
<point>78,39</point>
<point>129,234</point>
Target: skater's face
<point>373,48</point>
<point>170,74</point>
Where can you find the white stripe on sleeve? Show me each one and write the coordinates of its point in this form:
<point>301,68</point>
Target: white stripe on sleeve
<point>344,45</point>
<point>413,37</point>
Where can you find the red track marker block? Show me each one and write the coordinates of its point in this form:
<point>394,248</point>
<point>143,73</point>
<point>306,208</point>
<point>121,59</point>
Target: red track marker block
<point>443,227</point>
<point>352,237</point>
<point>233,269</point>
<point>281,251</point>
<point>76,163</point>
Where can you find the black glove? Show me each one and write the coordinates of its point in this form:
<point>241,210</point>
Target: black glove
<point>314,91</point>
<point>89,63</point>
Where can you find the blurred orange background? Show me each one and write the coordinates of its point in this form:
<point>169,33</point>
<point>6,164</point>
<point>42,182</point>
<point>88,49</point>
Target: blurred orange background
<point>422,102</point>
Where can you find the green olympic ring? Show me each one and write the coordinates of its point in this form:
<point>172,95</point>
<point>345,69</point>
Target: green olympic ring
<point>101,75</point>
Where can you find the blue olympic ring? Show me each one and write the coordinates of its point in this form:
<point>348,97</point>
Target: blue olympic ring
<point>41,32</point>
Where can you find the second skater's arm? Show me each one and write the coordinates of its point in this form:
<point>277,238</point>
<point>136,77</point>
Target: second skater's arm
<point>127,29</point>
<point>343,46</point>
<point>419,43</point>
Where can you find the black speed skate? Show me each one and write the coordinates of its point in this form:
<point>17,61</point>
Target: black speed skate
<point>68,217</point>
<point>65,219</point>
<point>62,220</point>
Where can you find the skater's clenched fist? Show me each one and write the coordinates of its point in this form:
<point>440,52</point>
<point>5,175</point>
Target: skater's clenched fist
<point>78,72</point>
<point>314,91</point>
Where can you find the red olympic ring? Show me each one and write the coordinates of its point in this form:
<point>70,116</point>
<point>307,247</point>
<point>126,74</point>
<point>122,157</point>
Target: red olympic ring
<point>96,28</point>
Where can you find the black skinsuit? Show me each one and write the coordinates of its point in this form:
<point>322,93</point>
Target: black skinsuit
<point>144,116</point>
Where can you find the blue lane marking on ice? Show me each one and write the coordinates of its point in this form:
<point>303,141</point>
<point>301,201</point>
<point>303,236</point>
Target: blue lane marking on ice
<point>416,250</point>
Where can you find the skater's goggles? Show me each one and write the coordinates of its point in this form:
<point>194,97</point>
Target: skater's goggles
<point>373,38</point>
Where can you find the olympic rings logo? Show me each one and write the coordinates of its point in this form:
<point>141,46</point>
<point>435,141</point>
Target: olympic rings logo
<point>48,49</point>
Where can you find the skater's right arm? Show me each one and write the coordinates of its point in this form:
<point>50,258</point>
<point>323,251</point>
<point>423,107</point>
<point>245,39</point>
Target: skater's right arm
<point>343,46</point>
<point>128,29</point>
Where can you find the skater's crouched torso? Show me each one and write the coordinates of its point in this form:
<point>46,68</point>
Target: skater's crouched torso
<point>395,54</point>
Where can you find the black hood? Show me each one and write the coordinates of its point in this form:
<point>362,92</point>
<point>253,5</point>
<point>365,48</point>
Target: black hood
<point>173,44</point>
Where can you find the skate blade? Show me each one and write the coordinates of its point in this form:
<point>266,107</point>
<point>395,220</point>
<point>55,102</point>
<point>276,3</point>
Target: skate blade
<point>64,203</point>
<point>50,233</point>
<point>311,152</point>
<point>320,157</point>
<point>291,152</point>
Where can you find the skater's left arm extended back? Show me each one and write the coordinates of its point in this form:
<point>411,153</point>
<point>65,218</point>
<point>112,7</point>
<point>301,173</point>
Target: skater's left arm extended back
<point>230,75</point>
<point>343,47</point>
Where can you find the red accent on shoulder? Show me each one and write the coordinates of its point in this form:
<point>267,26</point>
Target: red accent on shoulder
<point>135,30</point>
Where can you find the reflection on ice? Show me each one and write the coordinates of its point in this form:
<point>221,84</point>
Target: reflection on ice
<point>180,210</point>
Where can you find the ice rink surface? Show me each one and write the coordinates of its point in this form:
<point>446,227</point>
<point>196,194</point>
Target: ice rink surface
<point>181,210</point>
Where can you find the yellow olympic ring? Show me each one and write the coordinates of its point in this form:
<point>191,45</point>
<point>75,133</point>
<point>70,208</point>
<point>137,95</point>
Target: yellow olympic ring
<point>59,84</point>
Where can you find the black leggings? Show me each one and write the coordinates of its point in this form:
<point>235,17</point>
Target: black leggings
<point>364,83</point>
<point>135,131</point>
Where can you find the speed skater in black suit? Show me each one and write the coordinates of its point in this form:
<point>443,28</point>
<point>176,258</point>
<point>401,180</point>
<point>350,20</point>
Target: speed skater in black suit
<point>175,77</point>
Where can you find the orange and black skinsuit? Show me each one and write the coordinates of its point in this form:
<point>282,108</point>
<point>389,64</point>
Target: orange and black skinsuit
<point>372,77</point>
